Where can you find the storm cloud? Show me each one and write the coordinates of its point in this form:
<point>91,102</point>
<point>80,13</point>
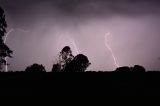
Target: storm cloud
<point>50,24</point>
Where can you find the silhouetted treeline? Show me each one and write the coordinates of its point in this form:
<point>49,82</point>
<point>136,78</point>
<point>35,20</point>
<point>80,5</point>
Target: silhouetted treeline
<point>124,81</point>
<point>81,84</point>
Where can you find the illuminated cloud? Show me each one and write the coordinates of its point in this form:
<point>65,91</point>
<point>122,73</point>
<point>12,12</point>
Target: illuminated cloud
<point>82,25</point>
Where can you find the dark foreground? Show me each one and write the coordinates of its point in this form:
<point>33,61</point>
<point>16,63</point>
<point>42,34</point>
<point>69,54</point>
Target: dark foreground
<point>80,84</point>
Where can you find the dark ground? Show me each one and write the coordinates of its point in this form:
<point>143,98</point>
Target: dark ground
<point>80,84</point>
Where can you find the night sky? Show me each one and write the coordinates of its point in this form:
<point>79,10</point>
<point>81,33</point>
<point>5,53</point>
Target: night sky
<point>44,27</point>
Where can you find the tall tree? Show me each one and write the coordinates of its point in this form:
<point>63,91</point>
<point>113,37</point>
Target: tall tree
<point>5,51</point>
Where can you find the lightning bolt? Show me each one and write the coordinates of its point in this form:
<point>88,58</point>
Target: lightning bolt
<point>111,51</point>
<point>11,30</point>
<point>74,45</point>
<point>5,39</point>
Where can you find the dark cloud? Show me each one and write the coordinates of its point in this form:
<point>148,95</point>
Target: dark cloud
<point>82,8</point>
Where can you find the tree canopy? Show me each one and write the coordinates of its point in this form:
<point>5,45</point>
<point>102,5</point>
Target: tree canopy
<point>5,51</point>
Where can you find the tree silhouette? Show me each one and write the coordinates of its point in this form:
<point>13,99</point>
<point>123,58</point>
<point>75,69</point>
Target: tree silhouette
<point>78,64</point>
<point>138,68</point>
<point>65,57</point>
<point>4,49</point>
<point>123,69</point>
<point>35,68</point>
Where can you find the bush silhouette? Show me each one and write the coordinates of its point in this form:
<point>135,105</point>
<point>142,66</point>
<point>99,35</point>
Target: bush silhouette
<point>35,68</point>
<point>138,68</point>
<point>78,64</point>
<point>123,69</point>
